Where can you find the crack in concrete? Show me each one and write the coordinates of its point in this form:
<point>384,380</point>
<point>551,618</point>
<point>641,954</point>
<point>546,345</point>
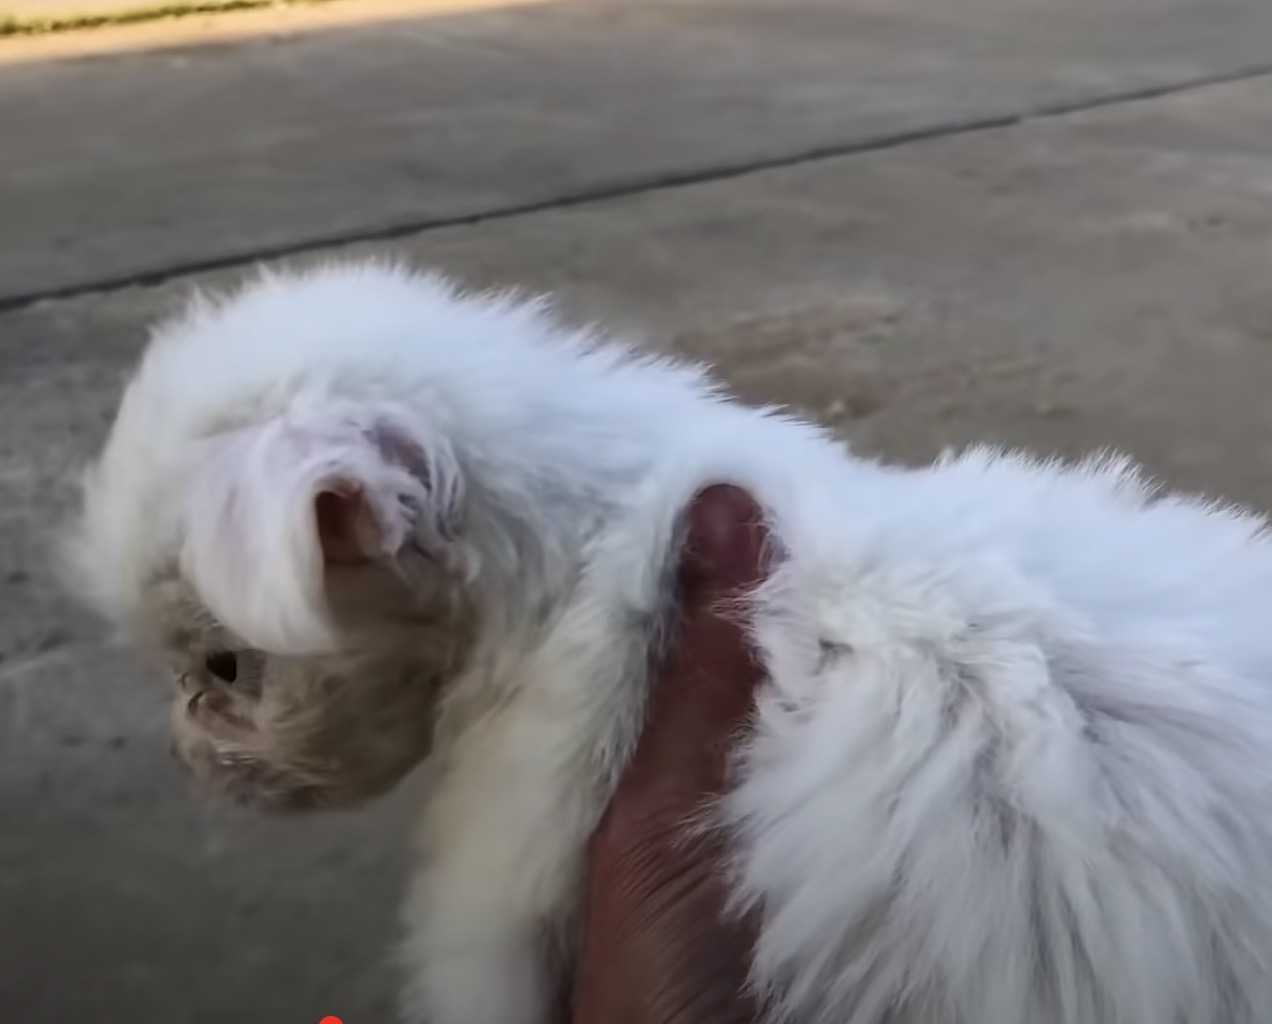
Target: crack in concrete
<point>620,190</point>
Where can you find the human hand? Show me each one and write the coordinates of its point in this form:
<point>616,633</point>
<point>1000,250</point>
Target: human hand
<point>658,948</point>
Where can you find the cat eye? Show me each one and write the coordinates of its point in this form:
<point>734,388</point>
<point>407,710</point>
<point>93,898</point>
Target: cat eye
<point>223,665</point>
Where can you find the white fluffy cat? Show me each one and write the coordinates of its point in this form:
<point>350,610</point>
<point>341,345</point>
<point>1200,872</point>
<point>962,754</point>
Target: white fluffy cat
<point>1013,764</point>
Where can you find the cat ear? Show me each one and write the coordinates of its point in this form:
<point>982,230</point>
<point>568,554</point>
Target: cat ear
<point>278,504</point>
<point>347,529</point>
<point>391,487</point>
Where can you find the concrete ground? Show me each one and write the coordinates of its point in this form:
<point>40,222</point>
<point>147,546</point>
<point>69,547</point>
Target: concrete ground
<point>1040,222</point>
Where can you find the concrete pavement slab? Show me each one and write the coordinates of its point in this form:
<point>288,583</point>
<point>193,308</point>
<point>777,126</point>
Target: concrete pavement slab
<point>1066,284</point>
<point>112,169</point>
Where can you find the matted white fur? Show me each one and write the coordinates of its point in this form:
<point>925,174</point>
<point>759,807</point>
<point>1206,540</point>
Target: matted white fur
<point>1014,762</point>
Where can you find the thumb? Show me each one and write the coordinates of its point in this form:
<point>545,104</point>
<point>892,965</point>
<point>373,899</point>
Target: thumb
<point>704,690</point>
<point>724,548</point>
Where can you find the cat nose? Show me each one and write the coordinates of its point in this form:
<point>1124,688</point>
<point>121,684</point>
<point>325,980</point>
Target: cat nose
<point>213,702</point>
<point>193,683</point>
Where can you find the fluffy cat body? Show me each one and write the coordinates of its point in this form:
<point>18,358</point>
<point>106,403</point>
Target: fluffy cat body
<point>1011,764</point>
